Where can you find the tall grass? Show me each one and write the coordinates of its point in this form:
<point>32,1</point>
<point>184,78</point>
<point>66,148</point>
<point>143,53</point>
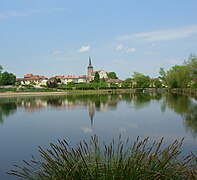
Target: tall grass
<point>114,161</point>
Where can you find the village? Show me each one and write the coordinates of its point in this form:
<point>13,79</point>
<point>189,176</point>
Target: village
<point>40,81</point>
<point>183,76</point>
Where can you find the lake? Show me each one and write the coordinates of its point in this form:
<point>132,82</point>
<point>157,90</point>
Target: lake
<point>28,122</point>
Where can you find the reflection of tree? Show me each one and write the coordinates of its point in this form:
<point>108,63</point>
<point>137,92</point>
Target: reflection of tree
<point>142,100</point>
<point>55,102</point>
<point>178,103</point>
<point>7,108</point>
<point>187,108</point>
<point>190,119</point>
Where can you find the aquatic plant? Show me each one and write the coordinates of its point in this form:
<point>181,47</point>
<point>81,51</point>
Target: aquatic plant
<point>139,160</point>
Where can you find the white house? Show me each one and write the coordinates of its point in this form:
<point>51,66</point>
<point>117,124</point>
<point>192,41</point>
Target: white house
<point>32,79</point>
<point>71,78</point>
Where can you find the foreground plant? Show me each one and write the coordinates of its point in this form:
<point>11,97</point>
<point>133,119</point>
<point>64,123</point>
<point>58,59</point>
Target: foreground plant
<point>115,161</point>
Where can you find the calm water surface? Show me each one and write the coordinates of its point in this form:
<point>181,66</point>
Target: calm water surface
<point>26,123</point>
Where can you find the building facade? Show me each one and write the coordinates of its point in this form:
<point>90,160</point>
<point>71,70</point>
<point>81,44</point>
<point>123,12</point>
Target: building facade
<point>91,73</point>
<point>30,79</point>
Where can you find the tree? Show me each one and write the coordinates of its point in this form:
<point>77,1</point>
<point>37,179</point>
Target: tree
<point>127,83</point>
<point>1,69</point>
<point>7,78</point>
<point>112,75</point>
<point>141,81</point>
<point>103,85</point>
<point>157,83</point>
<point>162,72</point>
<point>178,77</point>
<point>97,77</point>
<point>192,64</point>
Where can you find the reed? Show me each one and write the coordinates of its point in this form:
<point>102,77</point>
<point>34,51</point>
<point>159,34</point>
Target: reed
<point>124,160</point>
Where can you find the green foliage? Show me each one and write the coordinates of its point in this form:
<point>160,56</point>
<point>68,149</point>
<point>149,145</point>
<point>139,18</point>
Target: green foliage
<point>92,161</point>
<point>103,85</point>
<point>7,108</point>
<point>127,83</point>
<point>157,83</point>
<point>113,85</point>
<point>192,64</point>
<point>52,84</point>
<point>17,83</point>
<point>32,83</point>
<point>183,76</point>
<point>112,75</point>
<point>10,89</point>
<point>162,72</point>
<point>1,69</point>
<point>102,80</point>
<point>178,77</point>
<point>83,86</point>
<point>31,88</point>
<point>184,106</point>
<point>97,77</point>
<point>141,80</point>
<point>7,78</point>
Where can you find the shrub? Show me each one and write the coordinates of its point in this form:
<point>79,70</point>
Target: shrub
<point>89,161</point>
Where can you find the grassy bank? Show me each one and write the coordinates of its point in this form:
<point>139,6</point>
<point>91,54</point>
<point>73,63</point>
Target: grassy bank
<point>67,92</point>
<point>114,161</point>
<point>107,91</point>
<point>12,92</point>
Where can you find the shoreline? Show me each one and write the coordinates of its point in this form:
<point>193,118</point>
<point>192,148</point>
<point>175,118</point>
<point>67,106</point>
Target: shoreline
<point>62,93</point>
<point>184,91</point>
<point>27,94</point>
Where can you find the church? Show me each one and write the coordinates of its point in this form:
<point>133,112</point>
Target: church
<point>91,73</point>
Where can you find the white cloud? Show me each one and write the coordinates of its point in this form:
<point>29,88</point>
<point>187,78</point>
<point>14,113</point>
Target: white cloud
<point>11,14</point>
<point>84,49</point>
<point>163,35</point>
<point>55,53</point>
<point>119,47</point>
<point>130,50</point>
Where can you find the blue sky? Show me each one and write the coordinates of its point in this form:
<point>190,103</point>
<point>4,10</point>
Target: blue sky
<point>56,37</point>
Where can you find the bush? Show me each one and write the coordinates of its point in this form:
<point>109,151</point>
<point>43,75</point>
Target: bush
<point>11,89</point>
<point>89,161</point>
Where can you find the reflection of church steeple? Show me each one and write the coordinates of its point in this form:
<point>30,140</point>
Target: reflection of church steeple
<point>91,107</point>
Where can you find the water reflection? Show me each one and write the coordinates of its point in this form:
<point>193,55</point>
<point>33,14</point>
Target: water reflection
<point>142,100</point>
<point>7,108</point>
<point>186,107</point>
<point>182,105</point>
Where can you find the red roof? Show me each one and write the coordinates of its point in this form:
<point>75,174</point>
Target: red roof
<point>31,77</point>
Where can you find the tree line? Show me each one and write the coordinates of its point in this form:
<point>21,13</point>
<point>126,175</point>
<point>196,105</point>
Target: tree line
<point>179,76</point>
<point>6,78</point>
<point>182,76</point>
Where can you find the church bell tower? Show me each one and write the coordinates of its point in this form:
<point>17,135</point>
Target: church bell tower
<point>90,70</point>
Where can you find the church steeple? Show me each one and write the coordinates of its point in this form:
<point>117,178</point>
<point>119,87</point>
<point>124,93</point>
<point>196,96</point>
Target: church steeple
<point>90,71</point>
<point>90,62</point>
